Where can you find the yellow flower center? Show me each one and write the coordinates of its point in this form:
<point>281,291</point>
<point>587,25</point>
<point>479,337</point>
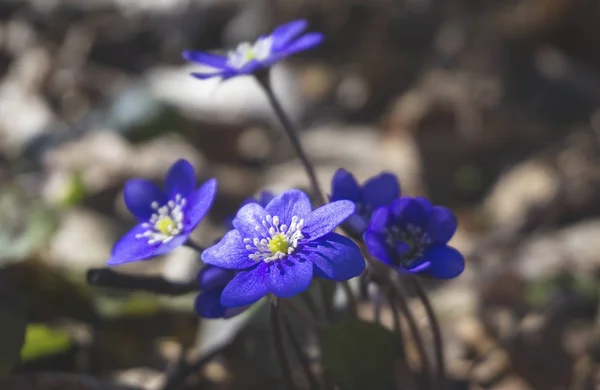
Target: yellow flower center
<point>279,244</point>
<point>165,225</point>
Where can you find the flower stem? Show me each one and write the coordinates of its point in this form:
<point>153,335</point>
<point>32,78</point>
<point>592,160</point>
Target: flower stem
<point>279,350</point>
<point>302,359</point>
<point>183,370</point>
<point>311,321</point>
<point>292,133</point>
<point>437,333</point>
<point>327,303</point>
<point>194,245</point>
<point>352,303</point>
<point>400,293</point>
<point>310,304</point>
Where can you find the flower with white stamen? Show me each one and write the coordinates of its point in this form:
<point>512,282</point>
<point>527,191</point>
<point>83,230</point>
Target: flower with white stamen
<point>166,217</point>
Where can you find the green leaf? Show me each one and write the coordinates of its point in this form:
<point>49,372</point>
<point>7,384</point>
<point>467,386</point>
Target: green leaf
<point>41,341</point>
<point>360,355</point>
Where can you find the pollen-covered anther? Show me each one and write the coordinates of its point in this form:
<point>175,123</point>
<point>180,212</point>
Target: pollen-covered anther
<point>166,222</point>
<point>281,240</point>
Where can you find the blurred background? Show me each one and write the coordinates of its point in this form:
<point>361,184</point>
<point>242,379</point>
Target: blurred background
<point>491,108</point>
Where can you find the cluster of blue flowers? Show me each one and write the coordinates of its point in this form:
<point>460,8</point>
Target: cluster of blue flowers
<point>278,244</point>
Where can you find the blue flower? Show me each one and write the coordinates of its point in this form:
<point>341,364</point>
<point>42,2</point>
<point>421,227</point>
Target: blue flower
<point>378,191</point>
<point>250,57</point>
<point>166,218</point>
<point>263,199</point>
<point>412,235</point>
<point>212,280</point>
<point>279,248</point>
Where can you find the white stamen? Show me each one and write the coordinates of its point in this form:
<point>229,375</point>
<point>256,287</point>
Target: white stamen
<point>246,52</point>
<point>292,235</point>
<point>173,211</point>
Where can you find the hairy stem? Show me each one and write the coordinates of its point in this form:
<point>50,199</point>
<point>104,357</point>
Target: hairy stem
<point>400,294</point>
<point>279,349</point>
<point>437,333</point>
<point>302,359</point>
<point>352,303</point>
<point>292,133</point>
<point>308,319</point>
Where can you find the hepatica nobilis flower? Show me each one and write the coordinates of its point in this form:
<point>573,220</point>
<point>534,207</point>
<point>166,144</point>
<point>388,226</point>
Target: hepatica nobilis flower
<point>212,280</point>
<point>166,217</point>
<point>285,40</point>
<point>279,248</point>
<point>411,235</point>
<point>378,191</point>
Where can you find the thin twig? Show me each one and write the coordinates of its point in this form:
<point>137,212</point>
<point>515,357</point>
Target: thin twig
<point>279,350</point>
<point>437,333</point>
<point>106,277</point>
<point>302,359</point>
<point>292,133</point>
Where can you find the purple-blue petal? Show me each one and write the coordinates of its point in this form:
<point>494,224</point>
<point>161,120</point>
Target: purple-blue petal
<point>446,262</point>
<point>326,218</point>
<point>292,203</point>
<point>246,287</point>
<point>208,305</point>
<point>305,42</point>
<point>418,268</point>
<point>180,179</point>
<point>199,203</point>
<point>229,253</point>
<point>210,75</point>
<point>175,242</point>
<point>381,190</point>
<point>441,225</point>
<point>377,247</point>
<point>289,276</point>
<point>211,278</point>
<point>344,186</point>
<point>283,34</point>
<point>139,195</point>
<point>265,198</point>
<point>425,203</point>
<point>407,211</point>
<point>130,248</point>
<point>380,220</point>
<point>335,257</point>
<point>357,224</point>
<point>208,59</point>
<point>248,221</point>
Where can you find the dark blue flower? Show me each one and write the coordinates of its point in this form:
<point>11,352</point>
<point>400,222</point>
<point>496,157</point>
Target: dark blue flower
<point>166,218</point>
<point>284,41</point>
<point>412,235</point>
<point>212,280</point>
<point>378,191</point>
<point>279,248</point>
<point>263,199</point>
